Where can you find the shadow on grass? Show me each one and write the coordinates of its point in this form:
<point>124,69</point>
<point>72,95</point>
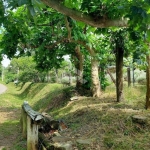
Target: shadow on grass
<point>110,127</point>
<point>29,90</point>
<point>53,100</point>
<point>8,109</point>
<point>36,88</point>
<point>21,85</point>
<point>10,136</point>
<point>25,90</point>
<point>43,96</point>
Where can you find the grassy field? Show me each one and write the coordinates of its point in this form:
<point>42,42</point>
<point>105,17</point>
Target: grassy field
<point>108,123</point>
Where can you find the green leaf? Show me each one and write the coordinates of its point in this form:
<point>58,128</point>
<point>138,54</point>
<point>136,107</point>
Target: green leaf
<point>31,10</point>
<point>22,2</point>
<point>89,44</point>
<point>148,35</point>
<point>69,4</point>
<point>81,24</point>
<point>38,3</point>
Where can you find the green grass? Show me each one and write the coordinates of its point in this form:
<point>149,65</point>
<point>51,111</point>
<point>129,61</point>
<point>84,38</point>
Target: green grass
<point>108,123</point>
<point>38,95</point>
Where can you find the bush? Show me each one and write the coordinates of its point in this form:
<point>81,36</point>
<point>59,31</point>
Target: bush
<point>65,80</point>
<point>141,80</point>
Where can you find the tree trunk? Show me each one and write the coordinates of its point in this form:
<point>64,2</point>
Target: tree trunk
<point>133,75</point>
<point>111,76</point>
<point>56,75</point>
<point>148,83</point>
<point>129,76</point>
<point>78,60</point>
<point>119,72</point>
<point>96,90</point>
<point>70,75</point>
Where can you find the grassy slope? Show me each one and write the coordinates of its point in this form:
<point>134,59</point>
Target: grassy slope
<point>38,96</point>
<point>106,122</point>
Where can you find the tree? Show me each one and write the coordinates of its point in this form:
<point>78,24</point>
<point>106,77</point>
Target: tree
<point>78,59</point>
<point>24,70</point>
<point>148,83</point>
<point>101,14</point>
<point>119,66</point>
<point>47,54</point>
<point>2,10</point>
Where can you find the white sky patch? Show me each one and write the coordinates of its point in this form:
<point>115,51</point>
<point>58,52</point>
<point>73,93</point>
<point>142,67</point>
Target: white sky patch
<point>66,57</point>
<point>5,62</point>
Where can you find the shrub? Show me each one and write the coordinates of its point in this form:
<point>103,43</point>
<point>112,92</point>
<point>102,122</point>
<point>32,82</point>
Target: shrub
<point>141,80</point>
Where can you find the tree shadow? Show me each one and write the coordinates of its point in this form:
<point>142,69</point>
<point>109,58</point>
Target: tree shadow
<point>30,90</point>
<point>53,100</point>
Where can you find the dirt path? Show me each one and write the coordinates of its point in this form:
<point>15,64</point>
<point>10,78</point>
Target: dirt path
<point>3,88</point>
<point>8,128</point>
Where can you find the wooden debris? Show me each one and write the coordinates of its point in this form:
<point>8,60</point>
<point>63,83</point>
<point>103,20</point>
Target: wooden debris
<point>84,141</point>
<point>74,98</point>
<point>140,119</point>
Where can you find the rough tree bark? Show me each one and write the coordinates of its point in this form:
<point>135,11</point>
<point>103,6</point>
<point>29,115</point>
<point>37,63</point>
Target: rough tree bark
<point>129,76</point>
<point>148,82</point>
<point>133,78</point>
<point>96,90</point>
<point>119,72</point>
<point>78,60</point>
<point>56,75</point>
<point>111,76</point>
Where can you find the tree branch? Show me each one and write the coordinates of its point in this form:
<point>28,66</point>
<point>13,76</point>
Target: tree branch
<point>68,28</point>
<point>79,16</point>
<point>65,40</point>
<point>62,40</point>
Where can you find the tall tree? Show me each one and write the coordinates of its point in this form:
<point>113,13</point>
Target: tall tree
<point>119,66</point>
<point>78,60</point>
<point>148,83</point>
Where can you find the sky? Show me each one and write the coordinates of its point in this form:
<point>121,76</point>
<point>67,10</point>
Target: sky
<point>5,61</point>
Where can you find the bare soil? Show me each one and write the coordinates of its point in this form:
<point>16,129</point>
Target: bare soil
<point>7,115</point>
<point>9,136</point>
<point>3,88</point>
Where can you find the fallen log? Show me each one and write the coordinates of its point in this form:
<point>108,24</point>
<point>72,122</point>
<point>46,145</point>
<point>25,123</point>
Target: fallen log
<point>48,123</point>
<point>49,128</point>
<point>57,142</point>
<point>39,129</point>
<point>30,120</point>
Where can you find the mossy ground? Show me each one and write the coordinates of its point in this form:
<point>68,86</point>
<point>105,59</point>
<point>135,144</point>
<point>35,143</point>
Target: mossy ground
<point>108,123</point>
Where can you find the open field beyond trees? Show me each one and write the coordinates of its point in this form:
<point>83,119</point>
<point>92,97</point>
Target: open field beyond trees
<point>107,123</point>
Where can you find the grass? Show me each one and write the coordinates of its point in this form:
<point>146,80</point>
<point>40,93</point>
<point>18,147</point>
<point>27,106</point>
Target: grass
<point>38,96</point>
<point>108,123</point>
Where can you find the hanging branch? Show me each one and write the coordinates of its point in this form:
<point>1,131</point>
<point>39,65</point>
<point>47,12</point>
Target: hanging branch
<point>79,16</point>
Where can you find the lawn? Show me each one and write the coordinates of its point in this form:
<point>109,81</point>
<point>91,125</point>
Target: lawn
<point>107,123</point>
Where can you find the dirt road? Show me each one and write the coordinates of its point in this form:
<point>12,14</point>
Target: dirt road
<point>3,88</point>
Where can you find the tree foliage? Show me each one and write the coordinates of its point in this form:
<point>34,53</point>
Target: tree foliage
<point>48,35</point>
